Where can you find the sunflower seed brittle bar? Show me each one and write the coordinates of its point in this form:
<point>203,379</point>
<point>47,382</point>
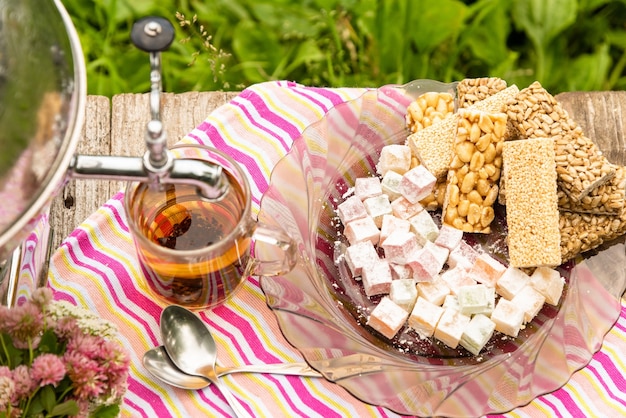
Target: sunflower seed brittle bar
<point>581,167</point>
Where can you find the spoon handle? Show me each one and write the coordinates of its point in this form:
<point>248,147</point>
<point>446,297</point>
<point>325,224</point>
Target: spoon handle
<point>236,406</point>
<point>297,369</point>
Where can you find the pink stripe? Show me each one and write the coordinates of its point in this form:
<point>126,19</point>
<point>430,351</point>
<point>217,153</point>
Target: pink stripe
<point>142,392</point>
<point>123,277</point>
<point>616,376</point>
<point>265,113</point>
<point>568,403</point>
<point>210,400</point>
<point>257,347</point>
<point>248,162</point>
<point>334,98</point>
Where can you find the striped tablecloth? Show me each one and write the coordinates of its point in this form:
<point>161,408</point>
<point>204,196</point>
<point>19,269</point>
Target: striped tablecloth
<point>96,267</point>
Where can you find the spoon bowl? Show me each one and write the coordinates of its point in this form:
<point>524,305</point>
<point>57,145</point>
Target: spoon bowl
<point>191,347</point>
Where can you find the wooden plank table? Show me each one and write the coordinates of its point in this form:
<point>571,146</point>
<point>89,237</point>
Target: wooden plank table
<point>117,127</point>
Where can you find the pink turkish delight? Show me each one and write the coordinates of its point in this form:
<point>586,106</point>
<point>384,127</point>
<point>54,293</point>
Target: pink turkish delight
<point>376,278</point>
<point>449,237</point>
<point>366,187</point>
<point>360,255</point>
<point>392,224</point>
<point>417,183</point>
<point>363,229</point>
<point>399,246</point>
<point>351,209</point>
<point>387,317</point>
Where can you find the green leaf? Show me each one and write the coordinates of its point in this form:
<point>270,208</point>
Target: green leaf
<point>67,408</point>
<point>487,35</point>
<point>108,411</point>
<point>46,395</point>
<point>49,342</point>
<point>12,357</point>
<point>544,20</point>
<point>588,71</point>
<point>431,23</point>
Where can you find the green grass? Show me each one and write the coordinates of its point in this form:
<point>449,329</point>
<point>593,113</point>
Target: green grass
<point>568,45</point>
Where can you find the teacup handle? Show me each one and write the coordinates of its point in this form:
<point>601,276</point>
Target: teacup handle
<point>276,237</point>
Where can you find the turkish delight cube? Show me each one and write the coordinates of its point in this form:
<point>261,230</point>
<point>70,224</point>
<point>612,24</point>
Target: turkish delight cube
<point>394,157</point>
<point>403,209</point>
<point>508,317</point>
<point>401,271</point>
<point>392,224</point>
<point>549,283</point>
<point>487,270</point>
<point>464,256</point>
<point>390,184</point>
<point>434,291</point>
<point>451,301</point>
<point>424,264</point>
<point>376,278</point>
<point>387,317</point>
<point>377,207</point>
<point>417,183</point>
<point>477,333</point>
<point>424,227</point>
<point>451,326</point>
<point>366,187</point>
<point>404,293</point>
<point>351,209</point>
<point>424,317</point>
<point>399,246</point>
<point>531,302</point>
<point>511,282</point>
<point>449,237</point>
<point>456,278</point>
<point>363,229</point>
<point>476,299</point>
<point>360,255</point>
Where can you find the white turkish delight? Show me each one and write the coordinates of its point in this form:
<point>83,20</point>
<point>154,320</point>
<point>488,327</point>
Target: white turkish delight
<point>404,293</point>
<point>530,300</point>
<point>451,326</point>
<point>424,317</point>
<point>399,246</point>
<point>508,317</point>
<point>394,157</point>
<point>424,227</point>
<point>351,209</point>
<point>390,184</point>
<point>377,207</point>
<point>549,283</point>
<point>392,224</point>
<point>477,333</point>
<point>511,282</point>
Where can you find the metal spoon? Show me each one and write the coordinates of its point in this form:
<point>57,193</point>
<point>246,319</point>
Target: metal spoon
<point>191,347</point>
<point>159,364</point>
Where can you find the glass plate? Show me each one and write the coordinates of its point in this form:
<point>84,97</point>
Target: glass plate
<point>321,310</point>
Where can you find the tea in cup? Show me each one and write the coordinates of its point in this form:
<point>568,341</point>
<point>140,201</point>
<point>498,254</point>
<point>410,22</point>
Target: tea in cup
<point>196,252</point>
